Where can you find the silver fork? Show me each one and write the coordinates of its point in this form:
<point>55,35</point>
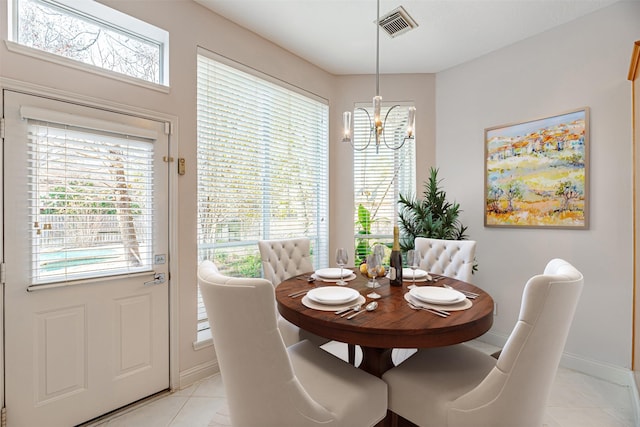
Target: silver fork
<point>468,294</point>
<point>440,313</point>
<point>298,293</point>
<point>356,308</point>
<point>344,310</point>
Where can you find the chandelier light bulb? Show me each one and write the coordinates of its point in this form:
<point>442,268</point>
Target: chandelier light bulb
<point>377,120</point>
<point>377,102</point>
<point>411,122</point>
<point>346,123</point>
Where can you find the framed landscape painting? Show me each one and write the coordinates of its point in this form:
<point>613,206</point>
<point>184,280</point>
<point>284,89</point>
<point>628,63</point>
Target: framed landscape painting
<point>536,172</point>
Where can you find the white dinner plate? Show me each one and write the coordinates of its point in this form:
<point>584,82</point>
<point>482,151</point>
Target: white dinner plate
<point>437,295</point>
<point>333,307</point>
<point>333,273</point>
<point>407,273</point>
<point>346,278</point>
<point>333,295</point>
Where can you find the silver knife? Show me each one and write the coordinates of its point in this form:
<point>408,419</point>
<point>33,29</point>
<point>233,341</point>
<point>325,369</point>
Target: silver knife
<point>355,314</point>
<point>344,310</point>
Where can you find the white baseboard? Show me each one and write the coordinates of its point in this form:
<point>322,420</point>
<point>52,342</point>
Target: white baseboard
<point>493,339</point>
<point>197,373</point>
<point>604,371</point>
<point>635,396</point>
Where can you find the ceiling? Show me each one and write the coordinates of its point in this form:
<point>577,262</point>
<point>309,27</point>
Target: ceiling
<point>339,36</point>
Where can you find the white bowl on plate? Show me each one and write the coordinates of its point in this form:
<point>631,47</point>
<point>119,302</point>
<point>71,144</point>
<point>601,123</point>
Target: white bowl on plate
<point>437,295</point>
<point>407,273</point>
<point>333,295</point>
<point>333,273</point>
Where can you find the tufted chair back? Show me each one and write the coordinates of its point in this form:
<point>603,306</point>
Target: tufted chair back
<point>282,259</point>
<point>453,258</point>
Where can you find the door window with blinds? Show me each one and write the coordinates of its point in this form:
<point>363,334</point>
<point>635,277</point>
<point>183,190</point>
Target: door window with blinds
<point>90,199</point>
<point>262,165</point>
<point>380,174</point>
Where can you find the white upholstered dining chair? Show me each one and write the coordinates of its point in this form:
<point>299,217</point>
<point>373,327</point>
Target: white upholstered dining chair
<point>270,385</point>
<point>281,260</point>
<point>453,258</point>
<point>285,258</point>
<point>458,386</point>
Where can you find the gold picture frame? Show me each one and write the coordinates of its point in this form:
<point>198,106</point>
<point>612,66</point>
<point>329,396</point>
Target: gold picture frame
<point>537,172</point>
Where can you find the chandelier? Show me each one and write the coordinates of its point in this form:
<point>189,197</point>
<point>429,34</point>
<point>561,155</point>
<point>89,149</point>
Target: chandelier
<point>377,125</point>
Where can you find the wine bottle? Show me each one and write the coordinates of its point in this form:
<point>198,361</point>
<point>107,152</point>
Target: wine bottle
<point>395,260</point>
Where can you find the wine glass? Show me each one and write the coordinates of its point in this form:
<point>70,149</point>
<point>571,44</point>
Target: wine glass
<point>342,258</point>
<point>413,261</point>
<point>378,249</point>
<point>374,265</point>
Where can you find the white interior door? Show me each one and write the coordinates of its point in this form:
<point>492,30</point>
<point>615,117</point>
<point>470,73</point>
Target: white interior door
<point>85,220</point>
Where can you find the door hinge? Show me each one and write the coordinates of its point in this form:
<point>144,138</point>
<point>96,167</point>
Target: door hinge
<point>2,273</point>
<point>3,417</point>
<point>1,127</point>
<point>167,128</point>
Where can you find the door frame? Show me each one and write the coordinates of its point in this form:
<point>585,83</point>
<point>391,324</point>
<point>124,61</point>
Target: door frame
<point>634,78</point>
<point>171,122</point>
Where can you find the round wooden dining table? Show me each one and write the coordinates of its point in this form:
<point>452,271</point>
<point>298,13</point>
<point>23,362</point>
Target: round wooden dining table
<point>393,324</point>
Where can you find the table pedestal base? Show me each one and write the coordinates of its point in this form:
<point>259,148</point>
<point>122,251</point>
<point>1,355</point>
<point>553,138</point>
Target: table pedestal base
<point>376,361</point>
<point>395,420</point>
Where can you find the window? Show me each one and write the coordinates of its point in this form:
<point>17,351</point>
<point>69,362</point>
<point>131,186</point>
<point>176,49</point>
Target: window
<point>379,177</point>
<point>94,34</point>
<point>262,166</point>
<point>91,200</point>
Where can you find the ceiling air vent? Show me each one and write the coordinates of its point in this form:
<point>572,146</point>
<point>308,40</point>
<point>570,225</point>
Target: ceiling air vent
<point>397,22</point>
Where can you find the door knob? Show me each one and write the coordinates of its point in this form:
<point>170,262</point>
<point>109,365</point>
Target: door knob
<point>158,279</point>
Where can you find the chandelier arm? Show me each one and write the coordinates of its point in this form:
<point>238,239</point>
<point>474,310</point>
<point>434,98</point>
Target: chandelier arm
<point>353,138</point>
<point>384,126</point>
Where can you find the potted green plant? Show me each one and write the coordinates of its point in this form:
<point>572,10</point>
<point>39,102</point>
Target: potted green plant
<point>433,216</point>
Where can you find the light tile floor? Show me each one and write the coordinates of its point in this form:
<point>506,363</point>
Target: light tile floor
<point>576,400</point>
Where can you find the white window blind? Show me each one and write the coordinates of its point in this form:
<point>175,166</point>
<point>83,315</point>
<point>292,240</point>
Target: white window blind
<point>379,177</point>
<point>262,167</point>
<point>91,202</point>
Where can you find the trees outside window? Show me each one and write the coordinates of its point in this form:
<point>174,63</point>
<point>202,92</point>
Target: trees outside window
<point>93,34</point>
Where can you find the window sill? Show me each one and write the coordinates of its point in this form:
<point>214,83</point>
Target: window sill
<point>203,340</point>
<point>61,60</point>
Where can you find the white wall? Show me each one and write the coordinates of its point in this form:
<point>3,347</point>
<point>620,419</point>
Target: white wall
<point>582,63</point>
